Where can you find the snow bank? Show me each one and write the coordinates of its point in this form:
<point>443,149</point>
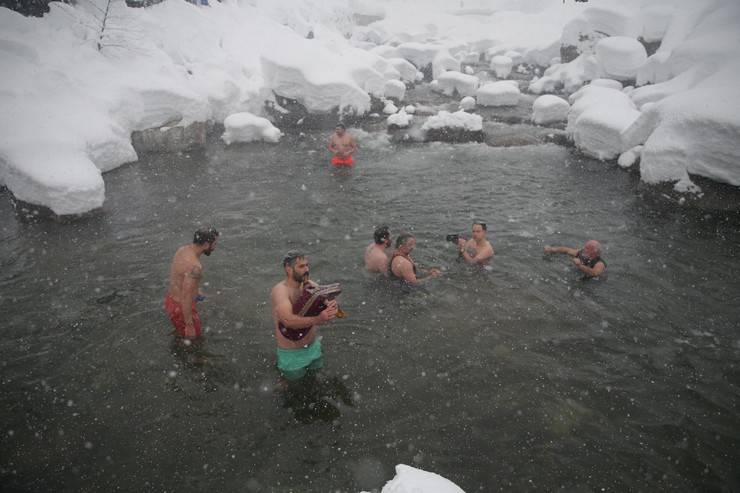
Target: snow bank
<point>459,119</point>
<point>501,65</point>
<point>549,109</point>
<point>246,127</point>
<point>620,56</point>
<point>411,480</point>
<point>500,93</point>
<point>451,82</point>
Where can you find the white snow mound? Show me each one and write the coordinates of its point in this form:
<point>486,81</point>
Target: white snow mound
<point>549,109</point>
<point>458,119</point>
<point>620,56</point>
<point>246,127</point>
<point>450,82</point>
<point>500,93</point>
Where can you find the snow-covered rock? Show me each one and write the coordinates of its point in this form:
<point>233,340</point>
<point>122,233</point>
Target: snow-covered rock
<point>467,103</point>
<point>386,51</point>
<point>246,127</point>
<point>400,119</point>
<point>451,82</point>
<point>458,119</point>
<point>411,480</point>
<point>471,58</point>
<point>568,76</point>
<point>549,109</point>
<point>629,157</point>
<point>420,54</point>
<point>443,62</point>
<point>620,56</point>
<point>389,108</point>
<point>500,93</point>
<point>610,83</point>
<point>501,65</point>
<point>469,70</point>
<point>395,89</point>
<point>410,109</point>
<point>405,68</point>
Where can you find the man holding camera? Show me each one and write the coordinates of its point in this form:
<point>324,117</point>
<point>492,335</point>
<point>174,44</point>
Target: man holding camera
<point>477,250</point>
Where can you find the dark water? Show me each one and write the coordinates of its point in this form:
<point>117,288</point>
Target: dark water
<point>523,378</point>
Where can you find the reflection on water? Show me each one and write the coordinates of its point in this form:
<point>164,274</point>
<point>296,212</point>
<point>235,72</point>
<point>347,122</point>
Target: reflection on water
<point>518,377</point>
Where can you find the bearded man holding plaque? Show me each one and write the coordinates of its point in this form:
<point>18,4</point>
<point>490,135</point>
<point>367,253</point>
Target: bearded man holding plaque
<point>298,306</point>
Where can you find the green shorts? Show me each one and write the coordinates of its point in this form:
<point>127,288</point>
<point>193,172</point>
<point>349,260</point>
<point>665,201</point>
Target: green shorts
<point>293,363</point>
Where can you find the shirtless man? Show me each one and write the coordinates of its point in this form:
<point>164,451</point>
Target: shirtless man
<point>588,259</point>
<point>478,249</point>
<point>376,258</point>
<point>298,347</point>
<point>186,272</point>
<point>342,145</point>
<point>403,266</point>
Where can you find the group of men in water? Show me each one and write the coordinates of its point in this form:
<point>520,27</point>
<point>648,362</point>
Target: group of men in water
<point>298,346</point>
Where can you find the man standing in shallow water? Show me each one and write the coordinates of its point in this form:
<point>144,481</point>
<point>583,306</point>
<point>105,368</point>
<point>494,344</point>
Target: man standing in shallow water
<point>478,249</point>
<point>588,259</point>
<point>298,347</point>
<point>403,266</point>
<point>376,258</point>
<point>342,145</point>
<point>186,272</point>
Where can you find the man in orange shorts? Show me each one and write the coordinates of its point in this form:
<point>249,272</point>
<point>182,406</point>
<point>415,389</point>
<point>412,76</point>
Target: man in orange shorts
<point>342,145</point>
<point>186,272</point>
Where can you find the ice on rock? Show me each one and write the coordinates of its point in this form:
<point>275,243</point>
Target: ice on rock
<point>450,82</point>
<point>549,109</point>
<point>620,56</point>
<point>459,119</point>
<point>400,119</point>
<point>467,103</point>
<point>500,93</point>
<point>395,89</point>
<point>501,65</point>
<point>246,127</point>
<point>443,62</point>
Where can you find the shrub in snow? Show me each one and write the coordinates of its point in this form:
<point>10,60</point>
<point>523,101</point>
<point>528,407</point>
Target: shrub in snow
<point>395,89</point>
<point>399,120</point>
<point>443,62</point>
<point>467,103</point>
<point>246,127</point>
<point>501,93</point>
<point>501,65</point>
<point>620,56</point>
<point>390,108</point>
<point>549,109</point>
<point>451,82</point>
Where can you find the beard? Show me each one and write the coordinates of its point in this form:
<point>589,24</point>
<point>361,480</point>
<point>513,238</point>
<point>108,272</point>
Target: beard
<point>300,278</point>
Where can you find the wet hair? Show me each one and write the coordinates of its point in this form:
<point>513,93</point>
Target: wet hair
<point>340,125</point>
<point>403,238</point>
<point>291,257</point>
<point>205,235</point>
<point>482,225</point>
<point>381,234</point>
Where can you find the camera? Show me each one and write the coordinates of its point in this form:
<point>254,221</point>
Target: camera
<point>452,238</point>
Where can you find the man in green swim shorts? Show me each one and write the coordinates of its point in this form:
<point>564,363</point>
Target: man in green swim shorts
<point>298,345</point>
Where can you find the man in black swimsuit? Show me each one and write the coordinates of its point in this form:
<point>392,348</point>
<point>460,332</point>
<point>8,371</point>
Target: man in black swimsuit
<point>298,347</point>
<point>588,259</point>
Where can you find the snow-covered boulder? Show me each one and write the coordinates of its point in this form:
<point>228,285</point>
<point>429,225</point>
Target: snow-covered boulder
<point>629,157</point>
<point>549,109</point>
<point>471,58</point>
<point>459,126</point>
<point>451,82</point>
<point>501,65</point>
<point>411,480</point>
<point>390,108</point>
<point>420,54</point>
<point>399,120</point>
<point>568,76</point>
<point>410,109</point>
<point>620,56</point>
<point>405,68</point>
<point>467,103</point>
<point>610,83</point>
<point>500,93</point>
<point>395,89</point>
<point>443,62</point>
<point>386,51</point>
<point>246,127</point>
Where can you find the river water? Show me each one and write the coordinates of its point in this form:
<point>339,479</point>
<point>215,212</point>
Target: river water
<point>521,378</point>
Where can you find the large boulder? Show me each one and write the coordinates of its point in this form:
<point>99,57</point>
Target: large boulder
<point>500,93</point>
<point>451,82</point>
<point>620,56</point>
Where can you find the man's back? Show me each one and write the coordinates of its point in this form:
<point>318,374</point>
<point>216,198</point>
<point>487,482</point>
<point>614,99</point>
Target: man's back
<point>185,262</point>
<point>376,259</point>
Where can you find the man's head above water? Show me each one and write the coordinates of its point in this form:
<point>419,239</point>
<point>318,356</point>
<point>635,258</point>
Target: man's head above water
<point>340,128</point>
<point>296,266</point>
<point>205,238</point>
<point>592,249</point>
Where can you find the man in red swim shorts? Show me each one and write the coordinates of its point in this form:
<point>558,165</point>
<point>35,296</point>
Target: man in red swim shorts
<point>186,272</point>
<point>342,145</point>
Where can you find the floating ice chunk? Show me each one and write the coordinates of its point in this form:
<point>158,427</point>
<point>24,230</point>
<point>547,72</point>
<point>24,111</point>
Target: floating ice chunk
<point>501,65</point>
<point>467,103</point>
<point>500,93</point>
<point>412,480</point>
<point>451,82</point>
<point>549,109</point>
<point>390,108</point>
<point>610,83</point>
<point>620,56</point>
<point>443,62</point>
<point>459,119</point>
<point>400,119</point>
<point>246,127</point>
<point>630,157</point>
<point>395,89</point>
